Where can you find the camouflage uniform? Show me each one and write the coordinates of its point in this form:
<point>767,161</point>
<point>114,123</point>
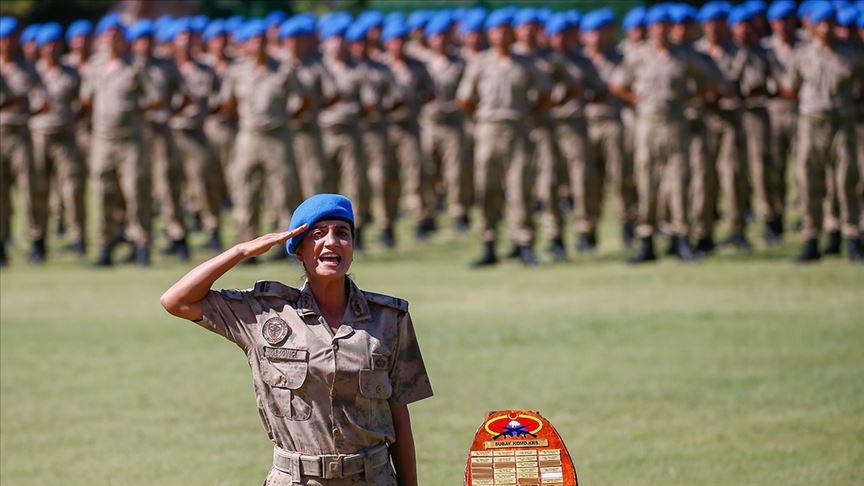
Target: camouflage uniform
<point>120,171</point>
<point>263,159</point>
<point>502,152</point>
<point>55,149</point>
<point>826,153</point>
<point>221,130</point>
<point>319,392</point>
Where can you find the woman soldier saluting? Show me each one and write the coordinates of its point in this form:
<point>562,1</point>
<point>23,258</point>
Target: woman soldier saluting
<point>333,367</point>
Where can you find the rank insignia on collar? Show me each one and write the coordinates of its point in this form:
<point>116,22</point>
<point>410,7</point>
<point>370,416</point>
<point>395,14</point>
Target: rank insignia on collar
<point>357,307</point>
<point>275,330</point>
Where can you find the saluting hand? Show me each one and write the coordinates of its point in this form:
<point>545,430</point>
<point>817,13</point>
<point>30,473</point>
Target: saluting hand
<point>260,245</point>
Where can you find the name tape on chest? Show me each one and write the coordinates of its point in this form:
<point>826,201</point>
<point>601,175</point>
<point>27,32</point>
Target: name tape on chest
<point>286,354</point>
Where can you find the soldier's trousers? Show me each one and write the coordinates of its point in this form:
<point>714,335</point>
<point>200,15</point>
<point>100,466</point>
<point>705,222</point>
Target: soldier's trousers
<point>316,176</point>
<point>168,177</point>
<point>859,137</point>
<point>661,168</point>
<point>384,476</point>
<point>606,138</point>
<point>56,158</point>
<point>343,150</point>
<point>444,145</point>
<point>826,157</point>
<point>122,175</point>
<point>263,168</point>
<point>546,158</point>
<point>404,140</point>
<point>16,165</point>
<point>382,173</point>
<point>783,116</point>
<point>202,174</point>
<point>503,172</point>
<point>763,168</point>
<point>221,137</point>
<point>584,174</point>
<point>704,183</point>
<point>727,148</point>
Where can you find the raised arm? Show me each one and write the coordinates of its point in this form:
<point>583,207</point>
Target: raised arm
<point>185,298</point>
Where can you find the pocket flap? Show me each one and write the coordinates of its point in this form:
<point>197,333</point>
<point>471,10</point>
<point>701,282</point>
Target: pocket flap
<point>375,384</point>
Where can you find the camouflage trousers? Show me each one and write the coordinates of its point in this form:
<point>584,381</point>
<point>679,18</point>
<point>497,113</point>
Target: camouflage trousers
<point>221,137</point>
<point>760,157</point>
<point>316,176</point>
<point>584,175</point>
<point>704,183</point>
<point>783,116</point>
<point>56,158</point>
<point>343,150</point>
<point>504,172</point>
<point>16,167</point>
<point>168,177</point>
<point>407,153</point>
<point>726,146</point>
<point>661,169</point>
<point>445,147</point>
<point>202,173</point>
<point>827,170</point>
<point>606,139</point>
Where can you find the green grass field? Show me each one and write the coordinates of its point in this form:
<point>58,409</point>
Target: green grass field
<point>737,370</point>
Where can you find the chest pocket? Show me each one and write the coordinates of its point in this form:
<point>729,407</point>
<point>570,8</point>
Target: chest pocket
<point>375,382</point>
<point>284,370</point>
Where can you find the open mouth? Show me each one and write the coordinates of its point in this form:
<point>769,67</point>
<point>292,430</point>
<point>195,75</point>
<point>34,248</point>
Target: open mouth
<point>330,259</point>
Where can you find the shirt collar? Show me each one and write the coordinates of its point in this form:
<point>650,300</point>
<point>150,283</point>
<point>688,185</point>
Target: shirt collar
<point>356,310</point>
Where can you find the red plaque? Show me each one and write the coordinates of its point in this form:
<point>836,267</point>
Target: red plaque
<point>518,447</point>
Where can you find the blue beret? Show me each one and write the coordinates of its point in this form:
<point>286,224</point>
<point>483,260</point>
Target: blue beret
<point>596,19</point>
<point>49,32</point>
<point>296,26</point>
<point>498,18</point>
<point>712,11</point>
<point>214,28</point>
<point>7,26</point>
<point>372,18</point>
<point>847,17</point>
<point>252,28</point>
<point>275,17</point>
<point>634,18</point>
<point>233,23</point>
<point>317,208</point>
<point>544,14</point>
<point>739,14</point>
<point>805,8</point>
<point>393,30</point>
<point>472,22</point>
<point>574,17</point>
<point>525,16</point>
<point>339,17</point>
<point>780,9</point>
<point>332,29</point>
<point>29,33</point>
<point>78,27</point>
<point>756,7</point>
<point>394,17</point>
<point>557,23</point>
<point>439,24</point>
<point>110,21</point>
<point>657,13</point>
<point>418,19</point>
<point>198,23</point>
<point>822,12</point>
<point>681,12</point>
<point>356,32</point>
<point>141,28</point>
<point>168,31</point>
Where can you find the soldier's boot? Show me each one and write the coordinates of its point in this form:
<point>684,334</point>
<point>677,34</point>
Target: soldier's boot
<point>3,260</point>
<point>104,259</point>
<point>770,233</point>
<point>705,245</point>
<point>130,257</point>
<point>739,241</point>
<point>171,249</point>
<point>425,227</point>
<point>37,252</point>
<point>388,238</point>
<point>645,253</point>
<point>215,242</point>
<point>587,243</point>
<point>183,250</point>
<point>513,254</point>
<point>79,247</point>
<point>197,223</point>
<point>488,257</point>
<point>278,254</point>
<point>556,249</point>
<point>684,251</point>
<point>526,255</point>
<point>627,234</point>
<point>672,249</point>
<point>809,252</point>
<point>142,255</point>
<point>832,246</point>
<point>855,249</point>
<point>462,224</point>
<point>61,226</point>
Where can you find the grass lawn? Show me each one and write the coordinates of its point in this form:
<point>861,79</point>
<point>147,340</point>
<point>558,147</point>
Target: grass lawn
<point>736,370</point>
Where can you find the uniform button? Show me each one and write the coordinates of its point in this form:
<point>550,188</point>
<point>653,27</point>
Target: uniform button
<point>379,389</point>
<point>335,346</point>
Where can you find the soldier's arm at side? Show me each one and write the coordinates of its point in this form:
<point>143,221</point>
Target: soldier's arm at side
<point>185,298</point>
<point>403,452</point>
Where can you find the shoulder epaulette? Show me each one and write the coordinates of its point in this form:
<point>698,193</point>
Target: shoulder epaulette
<point>386,300</point>
<point>270,288</point>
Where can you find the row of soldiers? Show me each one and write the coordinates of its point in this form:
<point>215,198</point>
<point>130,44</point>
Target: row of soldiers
<point>515,111</point>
